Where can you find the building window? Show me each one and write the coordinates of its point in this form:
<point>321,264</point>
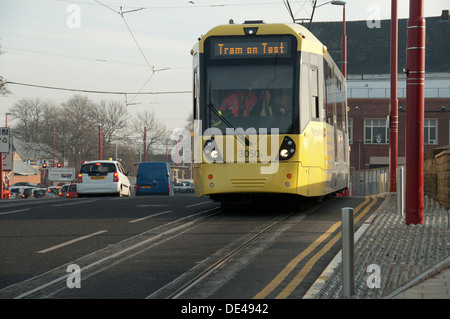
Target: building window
<point>376,131</point>
<point>430,134</point>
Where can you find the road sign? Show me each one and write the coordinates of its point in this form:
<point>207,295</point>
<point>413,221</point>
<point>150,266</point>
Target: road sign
<point>4,140</point>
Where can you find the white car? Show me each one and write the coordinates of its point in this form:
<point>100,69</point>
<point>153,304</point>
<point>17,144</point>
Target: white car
<point>103,177</point>
<point>16,192</point>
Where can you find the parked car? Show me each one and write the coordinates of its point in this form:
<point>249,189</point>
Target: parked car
<point>72,191</point>
<point>28,192</point>
<point>178,187</point>
<point>103,177</point>
<point>184,187</point>
<point>189,185</point>
<point>53,191</point>
<point>63,190</point>
<point>16,192</point>
<point>24,184</point>
<point>40,192</point>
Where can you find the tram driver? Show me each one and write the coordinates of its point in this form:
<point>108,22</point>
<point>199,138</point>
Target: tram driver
<point>267,107</point>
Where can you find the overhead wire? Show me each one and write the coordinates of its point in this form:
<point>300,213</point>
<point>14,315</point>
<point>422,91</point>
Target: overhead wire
<point>93,91</point>
<point>121,13</point>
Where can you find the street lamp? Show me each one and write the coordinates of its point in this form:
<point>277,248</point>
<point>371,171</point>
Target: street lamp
<point>344,39</point>
<point>344,36</point>
<point>338,3</point>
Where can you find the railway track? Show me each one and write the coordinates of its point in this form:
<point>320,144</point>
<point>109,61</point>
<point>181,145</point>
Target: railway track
<point>191,284</point>
<point>47,285</point>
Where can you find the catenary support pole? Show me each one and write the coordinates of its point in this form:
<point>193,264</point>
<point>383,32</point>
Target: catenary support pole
<point>145,143</point>
<point>100,142</point>
<point>393,105</point>
<point>415,81</point>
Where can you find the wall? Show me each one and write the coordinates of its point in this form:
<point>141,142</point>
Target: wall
<point>365,156</point>
<point>437,175</point>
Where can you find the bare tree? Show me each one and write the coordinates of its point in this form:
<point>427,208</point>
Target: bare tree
<point>76,122</point>
<point>157,132</point>
<point>32,124</point>
<point>3,89</point>
<point>78,130</point>
<point>114,117</point>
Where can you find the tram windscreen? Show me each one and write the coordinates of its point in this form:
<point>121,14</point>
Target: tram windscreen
<point>250,96</point>
<point>250,83</point>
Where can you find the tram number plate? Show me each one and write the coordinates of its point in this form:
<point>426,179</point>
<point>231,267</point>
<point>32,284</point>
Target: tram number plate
<point>249,153</point>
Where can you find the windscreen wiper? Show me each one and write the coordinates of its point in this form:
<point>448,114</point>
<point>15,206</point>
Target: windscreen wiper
<point>228,123</point>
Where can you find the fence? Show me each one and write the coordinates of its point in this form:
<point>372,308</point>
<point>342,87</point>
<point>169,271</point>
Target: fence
<point>436,178</point>
<point>369,182</point>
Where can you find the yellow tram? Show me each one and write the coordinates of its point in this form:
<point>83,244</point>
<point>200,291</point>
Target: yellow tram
<point>270,114</point>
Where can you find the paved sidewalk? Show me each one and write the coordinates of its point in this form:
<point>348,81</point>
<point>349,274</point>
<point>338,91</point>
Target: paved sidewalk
<point>435,287</point>
<point>412,261</point>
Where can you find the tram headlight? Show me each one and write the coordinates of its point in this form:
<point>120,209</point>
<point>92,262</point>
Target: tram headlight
<point>287,149</point>
<point>211,151</point>
<point>284,153</point>
<point>214,154</point>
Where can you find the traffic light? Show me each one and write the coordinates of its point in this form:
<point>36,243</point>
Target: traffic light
<point>58,165</point>
<point>44,165</point>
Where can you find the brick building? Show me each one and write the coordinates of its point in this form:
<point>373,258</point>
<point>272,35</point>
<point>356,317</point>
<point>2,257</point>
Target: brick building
<point>368,86</point>
<point>368,105</point>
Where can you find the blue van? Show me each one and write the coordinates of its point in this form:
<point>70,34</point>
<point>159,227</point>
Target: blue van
<point>153,178</point>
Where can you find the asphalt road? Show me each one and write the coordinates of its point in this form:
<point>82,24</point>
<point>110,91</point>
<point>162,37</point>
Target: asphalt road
<point>159,247</point>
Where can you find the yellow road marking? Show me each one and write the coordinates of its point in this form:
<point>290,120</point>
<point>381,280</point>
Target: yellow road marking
<point>308,266</point>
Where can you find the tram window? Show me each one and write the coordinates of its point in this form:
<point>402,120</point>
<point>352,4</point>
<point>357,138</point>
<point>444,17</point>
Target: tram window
<point>339,105</point>
<point>226,85</point>
<point>314,93</point>
<point>329,93</point>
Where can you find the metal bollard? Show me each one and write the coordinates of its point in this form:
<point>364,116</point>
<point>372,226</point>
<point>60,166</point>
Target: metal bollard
<point>348,268</point>
<point>401,190</point>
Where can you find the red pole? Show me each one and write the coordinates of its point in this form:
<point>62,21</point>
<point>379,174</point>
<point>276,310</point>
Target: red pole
<point>54,145</point>
<point>415,80</point>
<point>344,46</point>
<point>145,143</point>
<point>393,118</point>
<point>100,142</point>
<point>1,175</point>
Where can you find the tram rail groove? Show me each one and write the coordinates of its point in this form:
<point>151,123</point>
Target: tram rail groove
<point>183,284</point>
<point>38,284</point>
<point>204,274</point>
<point>51,282</point>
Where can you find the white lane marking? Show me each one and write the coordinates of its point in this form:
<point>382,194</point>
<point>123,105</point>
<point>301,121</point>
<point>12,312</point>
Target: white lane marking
<point>15,211</point>
<point>74,203</point>
<point>152,205</point>
<point>150,216</point>
<point>198,204</point>
<point>71,242</point>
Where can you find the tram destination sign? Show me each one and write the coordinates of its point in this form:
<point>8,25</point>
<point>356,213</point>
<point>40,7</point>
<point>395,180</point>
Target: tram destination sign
<point>223,48</point>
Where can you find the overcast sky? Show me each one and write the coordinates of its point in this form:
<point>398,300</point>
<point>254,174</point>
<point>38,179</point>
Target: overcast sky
<point>88,45</point>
